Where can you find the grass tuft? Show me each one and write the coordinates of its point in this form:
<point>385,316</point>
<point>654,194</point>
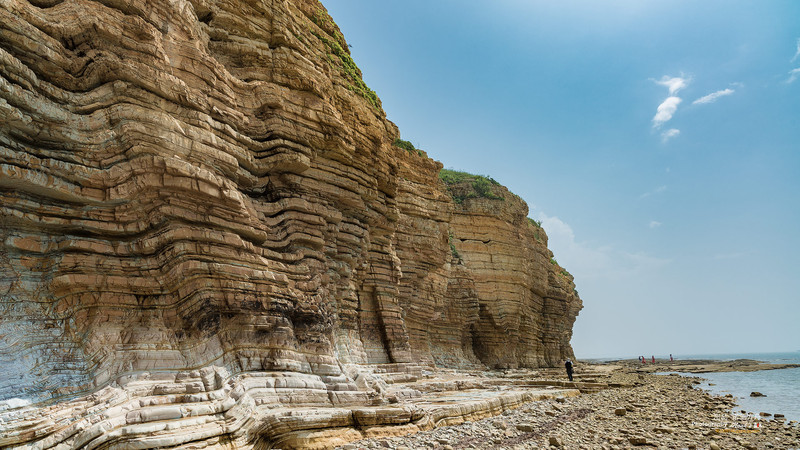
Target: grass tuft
<point>481,185</point>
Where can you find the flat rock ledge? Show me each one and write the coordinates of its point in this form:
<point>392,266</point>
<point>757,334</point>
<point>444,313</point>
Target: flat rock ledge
<point>209,408</point>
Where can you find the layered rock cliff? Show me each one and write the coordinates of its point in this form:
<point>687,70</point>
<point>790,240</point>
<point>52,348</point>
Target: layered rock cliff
<point>203,199</point>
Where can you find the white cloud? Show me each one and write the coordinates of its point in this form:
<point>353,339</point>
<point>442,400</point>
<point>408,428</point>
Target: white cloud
<point>655,224</point>
<point>586,261</point>
<point>666,110</point>
<point>658,190</point>
<point>669,134</point>
<point>793,75</point>
<point>797,53</point>
<point>711,98</point>
<point>674,84</point>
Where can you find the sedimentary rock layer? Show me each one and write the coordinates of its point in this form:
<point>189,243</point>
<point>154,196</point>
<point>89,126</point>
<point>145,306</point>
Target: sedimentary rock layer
<point>209,188</point>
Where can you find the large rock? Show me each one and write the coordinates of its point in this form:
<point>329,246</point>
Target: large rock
<point>201,198</point>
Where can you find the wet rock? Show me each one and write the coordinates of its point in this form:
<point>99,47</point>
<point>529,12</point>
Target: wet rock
<point>757,394</point>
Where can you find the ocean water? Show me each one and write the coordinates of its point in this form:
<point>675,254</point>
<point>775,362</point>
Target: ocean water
<point>781,387</point>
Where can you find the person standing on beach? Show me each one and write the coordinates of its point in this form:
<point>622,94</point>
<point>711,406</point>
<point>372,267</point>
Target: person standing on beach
<point>670,357</point>
<point>568,366</point>
<point>654,359</point>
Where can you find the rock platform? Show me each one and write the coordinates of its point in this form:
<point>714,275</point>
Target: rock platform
<point>274,410</point>
<point>642,411</point>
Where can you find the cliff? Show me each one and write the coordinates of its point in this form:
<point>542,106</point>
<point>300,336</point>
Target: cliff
<point>203,199</point>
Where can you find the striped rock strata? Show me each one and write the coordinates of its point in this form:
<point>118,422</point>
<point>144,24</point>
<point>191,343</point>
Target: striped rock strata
<point>202,215</point>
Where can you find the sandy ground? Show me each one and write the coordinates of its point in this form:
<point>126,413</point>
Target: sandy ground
<point>657,411</point>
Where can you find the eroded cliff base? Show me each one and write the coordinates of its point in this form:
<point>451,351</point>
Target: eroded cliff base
<point>278,410</point>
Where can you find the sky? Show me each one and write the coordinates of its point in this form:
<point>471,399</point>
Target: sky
<point>657,142</point>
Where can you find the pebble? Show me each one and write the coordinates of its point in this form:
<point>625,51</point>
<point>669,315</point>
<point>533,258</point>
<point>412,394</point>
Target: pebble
<point>637,440</point>
<point>525,427</point>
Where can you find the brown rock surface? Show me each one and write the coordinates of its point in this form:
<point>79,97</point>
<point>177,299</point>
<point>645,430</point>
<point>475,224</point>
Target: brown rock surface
<point>206,235</point>
<point>664,413</point>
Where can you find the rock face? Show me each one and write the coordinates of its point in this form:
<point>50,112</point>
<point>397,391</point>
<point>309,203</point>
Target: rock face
<point>202,199</point>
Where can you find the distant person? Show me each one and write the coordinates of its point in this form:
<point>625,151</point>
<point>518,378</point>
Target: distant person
<point>640,359</point>
<point>568,366</point>
<point>654,359</point>
<point>670,357</point>
<point>644,361</point>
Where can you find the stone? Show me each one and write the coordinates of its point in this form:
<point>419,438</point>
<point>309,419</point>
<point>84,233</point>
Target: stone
<point>555,441</point>
<point>757,394</point>
<point>526,427</point>
<point>713,446</point>
<point>637,440</point>
<point>620,411</point>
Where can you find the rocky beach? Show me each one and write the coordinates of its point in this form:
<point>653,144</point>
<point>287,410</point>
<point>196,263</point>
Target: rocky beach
<point>637,409</point>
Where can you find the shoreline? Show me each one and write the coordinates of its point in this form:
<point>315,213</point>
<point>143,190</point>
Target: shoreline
<point>701,365</point>
<point>643,409</point>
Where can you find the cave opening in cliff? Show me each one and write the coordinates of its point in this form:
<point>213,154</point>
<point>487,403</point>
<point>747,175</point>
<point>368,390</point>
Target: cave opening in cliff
<point>479,348</point>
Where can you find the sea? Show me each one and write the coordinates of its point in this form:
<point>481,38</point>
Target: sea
<point>781,387</point>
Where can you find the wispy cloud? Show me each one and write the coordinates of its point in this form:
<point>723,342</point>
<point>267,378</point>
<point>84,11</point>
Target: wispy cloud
<point>658,190</point>
<point>723,256</point>
<point>712,97</point>
<point>655,224</point>
<point>669,134</point>
<point>666,110</point>
<point>797,53</point>
<point>587,261</point>
<point>793,75</point>
<point>674,84</point>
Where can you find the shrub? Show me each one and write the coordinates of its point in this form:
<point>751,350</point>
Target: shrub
<point>405,145</point>
<point>536,223</point>
<point>481,185</point>
<point>453,251</point>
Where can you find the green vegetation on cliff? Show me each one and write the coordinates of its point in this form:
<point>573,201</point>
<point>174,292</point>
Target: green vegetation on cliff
<point>459,184</point>
<point>409,147</point>
<point>537,229</point>
<point>340,58</point>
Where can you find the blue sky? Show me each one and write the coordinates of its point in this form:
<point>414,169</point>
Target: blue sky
<point>657,141</point>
